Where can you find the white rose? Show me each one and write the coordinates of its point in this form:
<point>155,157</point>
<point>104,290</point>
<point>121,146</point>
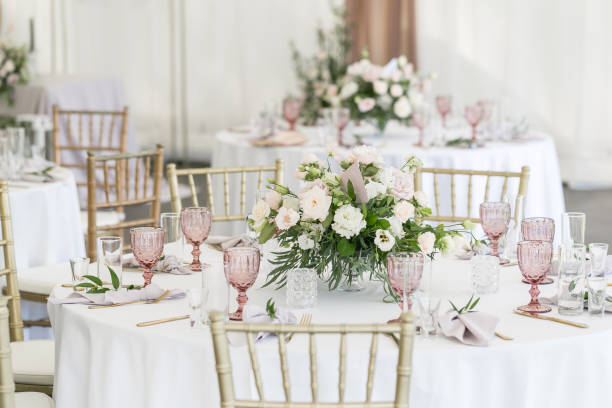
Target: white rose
<point>396,76</point>
<point>426,242</point>
<point>366,104</point>
<point>348,90</point>
<point>273,199</point>
<point>380,87</point>
<point>312,184</point>
<point>373,189</point>
<point>402,60</point>
<point>403,211</point>
<point>286,218</point>
<point>396,90</point>
<point>421,198</point>
<point>396,226</point>
<point>385,101</point>
<point>416,97</point>
<point>403,185</point>
<point>315,204</point>
<point>402,108</point>
<point>291,202</point>
<point>348,221</point>
<point>448,245</point>
<point>461,244</point>
<point>368,155</point>
<point>9,66</point>
<point>384,240</point>
<point>305,242</point>
<point>260,211</point>
<point>310,158</point>
<point>385,176</point>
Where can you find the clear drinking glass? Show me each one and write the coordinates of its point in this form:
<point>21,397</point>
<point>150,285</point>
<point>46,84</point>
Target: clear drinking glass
<point>147,245</point>
<point>485,274</point>
<point>340,118</point>
<point>404,271</point>
<point>16,137</point>
<point>495,217</point>
<point>7,170</point>
<point>556,260</point>
<point>596,288</point>
<point>109,255</point>
<point>196,223</point>
<point>570,295</point>
<point>572,227</point>
<point>194,297</point>
<point>428,300</point>
<point>534,258</point>
<point>301,288</point>
<point>513,236</point>
<point>170,222</point>
<point>598,253</point>
<point>241,266</point>
<point>79,267</point>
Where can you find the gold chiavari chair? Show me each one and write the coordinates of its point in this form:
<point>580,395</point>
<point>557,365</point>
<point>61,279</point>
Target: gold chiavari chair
<point>219,329</point>
<point>522,176</point>
<point>8,398</point>
<point>33,361</point>
<point>121,192</point>
<point>173,174</point>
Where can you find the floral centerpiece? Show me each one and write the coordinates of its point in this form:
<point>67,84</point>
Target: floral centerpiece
<point>380,94</point>
<point>344,225</point>
<point>13,70</point>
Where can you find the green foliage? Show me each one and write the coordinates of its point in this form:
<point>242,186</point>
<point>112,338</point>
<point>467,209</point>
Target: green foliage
<point>271,309</point>
<point>97,286</point>
<point>469,306</point>
<point>18,58</point>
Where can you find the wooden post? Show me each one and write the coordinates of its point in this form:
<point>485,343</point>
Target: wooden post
<point>91,206</point>
<point>56,142</point>
<point>7,385</point>
<point>278,174</point>
<point>175,198</point>
<point>404,361</point>
<point>159,173</point>
<point>223,360</point>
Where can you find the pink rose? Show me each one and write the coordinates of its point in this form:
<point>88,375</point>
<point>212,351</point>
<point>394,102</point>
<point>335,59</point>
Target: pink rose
<point>286,218</point>
<point>403,185</point>
<point>366,104</point>
<point>273,199</point>
<point>332,91</point>
<point>12,79</point>
<point>300,174</point>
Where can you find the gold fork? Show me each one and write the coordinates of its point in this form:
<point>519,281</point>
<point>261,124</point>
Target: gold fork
<point>305,321</point>
<point>149,302</point>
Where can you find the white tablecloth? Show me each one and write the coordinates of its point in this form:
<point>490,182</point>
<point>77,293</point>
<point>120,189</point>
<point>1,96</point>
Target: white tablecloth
<point>46,229</point>
<point>544,198</point>
<point>104,360</point>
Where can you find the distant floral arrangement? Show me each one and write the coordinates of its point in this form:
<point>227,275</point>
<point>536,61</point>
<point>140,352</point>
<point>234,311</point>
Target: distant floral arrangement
<point>13,70</point>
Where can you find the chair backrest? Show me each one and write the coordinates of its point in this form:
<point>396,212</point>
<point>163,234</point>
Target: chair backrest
<point>7,384</point>
<point>122,191</point>
<point>87,131</point>
<point>219,329</point>
<point>9,269</point>
<point>522,176</point>
<point>173,174</point>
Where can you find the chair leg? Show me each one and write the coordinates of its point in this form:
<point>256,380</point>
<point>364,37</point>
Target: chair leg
<point>45,389</point>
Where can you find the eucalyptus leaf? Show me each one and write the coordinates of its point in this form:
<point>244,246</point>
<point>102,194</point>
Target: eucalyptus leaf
<point>266,233</point>
<point>114,278</point>
<point>345,247</point>
<point>94,279</point>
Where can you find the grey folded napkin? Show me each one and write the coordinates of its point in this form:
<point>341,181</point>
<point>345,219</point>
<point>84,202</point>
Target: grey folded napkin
<point>225,242</point>
<point>169,264</point>
<point>110,297</point>
<point>257,314</point>
<point>472,328</point>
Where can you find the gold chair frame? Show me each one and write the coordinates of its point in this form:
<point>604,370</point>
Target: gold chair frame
<point>173,173</point>
<point>7,384</point>
<point>122,191</point>
<point>523,177</point>
<point>219,329</point>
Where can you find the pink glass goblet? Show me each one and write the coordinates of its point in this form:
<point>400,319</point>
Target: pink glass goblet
<point>495,217</point>
<point>195,223</point>
<point>147,246</point>
<point>534,259</point>
<point>538,229</point>
<point>340,118</point>
<point>241,266</point>
<point>291,110</point>
<point>444,103</point>
<point>420,119</point>
<point>404,271</point>
<point>473,115</point>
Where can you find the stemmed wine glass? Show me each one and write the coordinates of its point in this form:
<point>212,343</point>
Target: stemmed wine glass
<point>195,223</point>
<point>241,266</point>
<point>147,246</point>
<point>473,115</point>
<point>340,118</point>
<point>495,217</point>
<point>538,229</point>
<point>420,119</point>
<point>291,110</point>
<point>534,259</point>
<point>404,271</point>
<point>444,103</point>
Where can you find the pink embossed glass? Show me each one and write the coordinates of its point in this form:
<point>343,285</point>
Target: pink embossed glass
<point>291,110</point>
<point>473,115</point>
<point>147,245</point>
<point>340,118</point>
<point>534,259</point>
<point>404,271</point>
<point>420,119</point>
<point>241,265</point>
<point>444,103</point>
<point>195,223</point>
<point>494,217</point>
<point>538,229</point>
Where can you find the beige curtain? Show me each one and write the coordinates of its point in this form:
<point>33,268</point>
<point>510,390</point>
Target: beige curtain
<point>385,27</point>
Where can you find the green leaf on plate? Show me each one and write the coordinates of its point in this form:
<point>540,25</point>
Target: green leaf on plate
<point>94,279</point>
<point>114,278</point>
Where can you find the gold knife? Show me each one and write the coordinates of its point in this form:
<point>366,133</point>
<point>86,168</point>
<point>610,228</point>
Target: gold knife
<point>552,319</point>
<point>169,319</point>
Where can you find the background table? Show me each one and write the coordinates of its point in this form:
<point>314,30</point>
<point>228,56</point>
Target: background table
<point>104,360</point>
<point>544,198</point>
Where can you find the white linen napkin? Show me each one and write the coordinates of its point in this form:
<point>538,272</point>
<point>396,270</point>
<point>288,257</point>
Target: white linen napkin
<point>110,297</point>
<point>228,242</point>
<point>472,328</point>
<point>257,314</point>
<point>170,264</point>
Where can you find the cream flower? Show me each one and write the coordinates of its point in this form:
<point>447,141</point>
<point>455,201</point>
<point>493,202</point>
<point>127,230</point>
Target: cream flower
<point>426,242</point>
<point>348,90</point>
<point>416,97</point>
<point>403,211</point>
<point>413,163</point>
<point>368,155</point>
<point>396,90</point>
<point>448,245</point>
<point>380,87</point>
<point>402,108</point>
<point>396,226</point>
<point>311,158</point>
<point>384,240</point>
<point>260,211</point>
<point>403,185</point>
<point>348,221</point>
<point>468,225</point>
<point>286,218</point>
<point>366,104</point>
<point>305,242</point>
<point>273,199</point>
<point>291,202</point>
<point>315,203</point>
<point>332,91</point>
<point>421,198</point>
<point>300,174</point>
<point>402,61</point>
<point>373,189</point>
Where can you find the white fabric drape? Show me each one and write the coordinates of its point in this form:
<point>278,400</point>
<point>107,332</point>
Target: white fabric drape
<point>548,59</point>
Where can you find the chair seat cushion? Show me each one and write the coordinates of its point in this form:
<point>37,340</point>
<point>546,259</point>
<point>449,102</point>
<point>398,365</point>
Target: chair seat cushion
<point>42,279</point>
<point>33,361</point>
<point>33,400</point>
<point>103,218</point>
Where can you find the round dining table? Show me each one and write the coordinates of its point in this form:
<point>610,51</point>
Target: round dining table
<point>104,360</point>
<point>535,149</point>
